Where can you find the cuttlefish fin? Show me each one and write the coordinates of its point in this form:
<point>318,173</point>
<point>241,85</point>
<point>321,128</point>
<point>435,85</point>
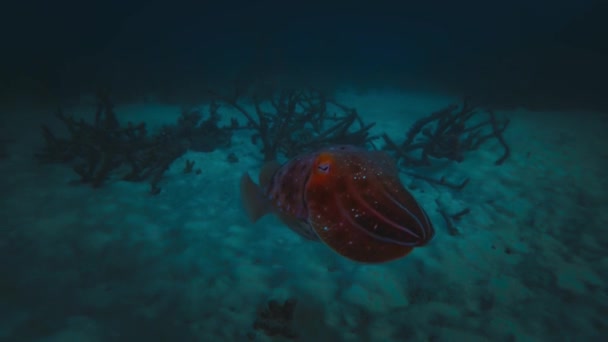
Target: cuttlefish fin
<point>252,195</point>
<point>267,172</point>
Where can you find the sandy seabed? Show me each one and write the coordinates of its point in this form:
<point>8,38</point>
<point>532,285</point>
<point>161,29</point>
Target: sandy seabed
<point>116,264</point>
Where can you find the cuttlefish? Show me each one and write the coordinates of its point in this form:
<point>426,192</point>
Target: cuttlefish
<point>349,198</point>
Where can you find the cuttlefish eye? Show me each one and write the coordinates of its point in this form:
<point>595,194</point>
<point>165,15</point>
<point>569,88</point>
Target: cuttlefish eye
<point>323,167</point>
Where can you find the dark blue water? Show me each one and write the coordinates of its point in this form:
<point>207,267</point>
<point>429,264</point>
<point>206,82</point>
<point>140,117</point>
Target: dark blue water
<point>542,54</point>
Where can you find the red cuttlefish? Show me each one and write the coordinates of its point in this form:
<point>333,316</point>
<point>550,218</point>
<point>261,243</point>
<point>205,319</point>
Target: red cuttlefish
<point>347,197</point>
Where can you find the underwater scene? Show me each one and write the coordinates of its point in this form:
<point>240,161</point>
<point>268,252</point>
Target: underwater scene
<point>304,171</point>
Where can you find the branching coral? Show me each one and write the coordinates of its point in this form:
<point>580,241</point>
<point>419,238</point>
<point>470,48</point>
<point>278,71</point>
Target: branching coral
<point>448,133</point>
<point>290,122</point>
<point>285,123</point>
<point>96,150</point>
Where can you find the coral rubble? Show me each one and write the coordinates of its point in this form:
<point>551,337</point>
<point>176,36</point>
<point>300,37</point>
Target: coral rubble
<point>275,319</point>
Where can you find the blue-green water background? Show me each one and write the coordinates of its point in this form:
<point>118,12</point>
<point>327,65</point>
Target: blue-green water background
<point>115,264</point>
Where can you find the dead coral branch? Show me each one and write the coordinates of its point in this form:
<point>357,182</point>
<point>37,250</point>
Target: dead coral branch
<point>292,121</point>
<point>449,133</point>
<point>103,148</point>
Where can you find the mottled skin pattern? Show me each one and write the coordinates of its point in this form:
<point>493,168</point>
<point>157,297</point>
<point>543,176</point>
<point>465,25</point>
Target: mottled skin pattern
<point>353,201</point>
<point>287,186</point>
